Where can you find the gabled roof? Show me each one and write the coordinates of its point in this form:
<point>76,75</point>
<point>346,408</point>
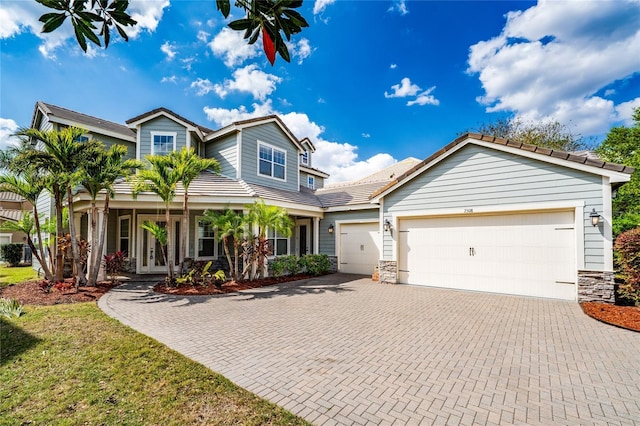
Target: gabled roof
<point>11,214</point>
<point>314,171</point>
<point>162,111</point>
<point>618,172</point>
<point>359,191</point>
<point>68,117</point>
<point>10,196</point>
<point>237,126</point>
<point>307,141</point>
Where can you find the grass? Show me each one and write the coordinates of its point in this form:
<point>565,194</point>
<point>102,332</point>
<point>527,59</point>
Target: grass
<point>72,364</point>
<point>17,274</point>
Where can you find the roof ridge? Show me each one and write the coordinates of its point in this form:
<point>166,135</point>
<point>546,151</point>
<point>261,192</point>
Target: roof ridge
<point>77,112</point>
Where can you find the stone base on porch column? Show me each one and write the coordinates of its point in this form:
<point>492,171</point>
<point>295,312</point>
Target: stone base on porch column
<point>596,286</point>
<point>388,271</point>
<point>333,264</point>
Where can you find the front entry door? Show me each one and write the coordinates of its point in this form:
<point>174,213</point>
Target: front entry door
<point>303,228</point>
<point>152,259</point>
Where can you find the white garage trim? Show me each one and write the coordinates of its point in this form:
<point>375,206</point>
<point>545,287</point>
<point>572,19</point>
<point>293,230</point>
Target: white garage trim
<point>339,224</point>
<point>607,230</point>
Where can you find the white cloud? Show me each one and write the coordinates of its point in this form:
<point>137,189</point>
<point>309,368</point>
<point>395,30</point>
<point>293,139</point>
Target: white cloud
<point>425,98</point>
<point>546,67</point>
<point>7,128</point>
<point>301,50</point>
<point>231,46</point>
<point>321,101</point>
<point>609,92</point>
<point>202,86</point>
<point>168,50</point>
<point>338,159</point>
<point>365,135</point>
<point>393,66</point>
<point>173,79</point>
<point>147,13</point>
<point>320,5</point>
<point>249,79</point>
<point>399,6</point>
<point>203,36</point>
<point>404,89</point>
<point>407,89</point>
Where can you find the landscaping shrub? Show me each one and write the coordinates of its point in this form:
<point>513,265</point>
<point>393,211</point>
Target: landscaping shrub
<point>627,252</point>
<point>277,266</point>
<point>114,262</point>
<point>316,264</point>
<point>199,275</point>
<point>11,253</point>
<point>10,307</point>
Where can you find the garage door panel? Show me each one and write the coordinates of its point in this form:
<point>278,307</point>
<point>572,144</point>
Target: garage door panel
<point>359,248</point>
<point>526,254</point>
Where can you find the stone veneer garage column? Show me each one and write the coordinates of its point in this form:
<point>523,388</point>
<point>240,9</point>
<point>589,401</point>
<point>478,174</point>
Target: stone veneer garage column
<point>596,286</point>
<point>388,271</point>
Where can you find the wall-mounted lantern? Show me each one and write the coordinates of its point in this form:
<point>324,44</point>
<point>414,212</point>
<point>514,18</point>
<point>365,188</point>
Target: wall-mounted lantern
<point>386,226</point>
<point>331,228</point>
<point>595,217</point>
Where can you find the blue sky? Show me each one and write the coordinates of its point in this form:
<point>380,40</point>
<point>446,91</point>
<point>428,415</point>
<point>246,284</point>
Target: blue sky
<point>370,82</point>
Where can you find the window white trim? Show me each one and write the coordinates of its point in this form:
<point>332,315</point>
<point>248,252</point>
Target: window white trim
<point>154,134</point>
<point>311,182</point>
<point>119,238</point>
<point>273,150</point>
<point>304,158</point>
<point>196,248</point>
<point>275,238</point>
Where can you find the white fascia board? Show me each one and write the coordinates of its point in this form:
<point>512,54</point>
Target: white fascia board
<point>313,171</point>
<point>189,127</point>
<point>91,129</point>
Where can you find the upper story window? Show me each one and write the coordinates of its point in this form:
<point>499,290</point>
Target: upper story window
<point>83,138</point>
<point>271,161</point>
<point>162,143</point>
<point>311,182</point>
<point>304,158</point>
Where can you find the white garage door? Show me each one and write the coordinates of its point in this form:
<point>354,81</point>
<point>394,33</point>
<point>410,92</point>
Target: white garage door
<point>531,254</point>
<point>359,251</point>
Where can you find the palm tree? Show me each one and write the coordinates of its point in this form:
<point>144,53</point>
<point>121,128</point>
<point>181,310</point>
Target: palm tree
<point>265,218</point>
<point>30,189</point>
<point>229,225</point>
<point>160,234</point>
<point>161,179</point>
<point>99,175</point>
<point>188,166</point>
<point>60,156</point>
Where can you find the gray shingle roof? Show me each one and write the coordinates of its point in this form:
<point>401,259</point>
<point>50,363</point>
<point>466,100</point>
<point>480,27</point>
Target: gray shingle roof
<point>84,119</point>
<point>10,196</point>
<point>203,129</point>
<point>10,214</point>
<point>305,196</point>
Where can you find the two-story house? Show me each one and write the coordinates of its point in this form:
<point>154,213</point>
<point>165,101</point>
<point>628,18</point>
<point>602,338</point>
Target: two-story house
<point>482,213</point>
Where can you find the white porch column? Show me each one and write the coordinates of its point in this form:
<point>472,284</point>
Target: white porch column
<point>101,272</point>
<point>316,235</point>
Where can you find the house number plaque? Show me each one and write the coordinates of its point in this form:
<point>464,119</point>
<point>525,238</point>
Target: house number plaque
<point>468,210</point>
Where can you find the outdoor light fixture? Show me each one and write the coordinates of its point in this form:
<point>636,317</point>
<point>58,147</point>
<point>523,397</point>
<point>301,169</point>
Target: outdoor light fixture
<point>387,225</point>
<point>331,229</point>
<point>595,217</point>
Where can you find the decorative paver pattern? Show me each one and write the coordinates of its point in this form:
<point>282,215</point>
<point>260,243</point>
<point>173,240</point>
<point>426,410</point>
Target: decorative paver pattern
<point>345,350</point>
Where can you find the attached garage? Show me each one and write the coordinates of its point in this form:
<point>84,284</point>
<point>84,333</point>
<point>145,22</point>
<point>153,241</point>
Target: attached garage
<point>530,254</point>
<point>359,247</point>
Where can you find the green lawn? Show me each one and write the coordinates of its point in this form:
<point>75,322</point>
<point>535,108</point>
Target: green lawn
<point>13,275</point>
<point>72,364</point>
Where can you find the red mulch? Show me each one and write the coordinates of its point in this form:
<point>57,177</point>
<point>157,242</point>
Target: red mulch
<point>228,287</point>
<point>622,316</point>
<point>30,293</point>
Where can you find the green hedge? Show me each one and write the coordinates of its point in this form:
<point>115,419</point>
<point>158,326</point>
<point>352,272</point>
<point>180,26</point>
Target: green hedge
<point>11,253</point>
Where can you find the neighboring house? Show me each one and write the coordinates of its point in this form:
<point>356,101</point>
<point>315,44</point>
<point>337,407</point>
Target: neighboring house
<point>12,207</point>
<point>481,214</point>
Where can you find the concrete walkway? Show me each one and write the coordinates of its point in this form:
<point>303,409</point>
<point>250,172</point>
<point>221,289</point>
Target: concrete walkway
<point>342,349</point>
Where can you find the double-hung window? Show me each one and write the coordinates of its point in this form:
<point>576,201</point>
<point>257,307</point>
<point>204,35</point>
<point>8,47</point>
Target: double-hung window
<point>162,143</point>
<point>279,244</point>
<point>123,234</point>
<point>206,240</point>
<point>271,161</point>
<point>304,158</point>
<point>311,182</point>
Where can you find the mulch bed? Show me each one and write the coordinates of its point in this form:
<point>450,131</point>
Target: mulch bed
<point>228,287</point>
<point>30,293</point>
<point>622,316</point>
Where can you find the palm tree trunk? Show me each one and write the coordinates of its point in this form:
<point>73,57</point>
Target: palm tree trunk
<point>169,256</point>
<point>59,273</point>
<point>94,239</point>
<point>81,279</point>
<point>100,248</point>
<point>236,253</point>
<point>225,242</point>
<point>185,231</point>
<point>41,258</point>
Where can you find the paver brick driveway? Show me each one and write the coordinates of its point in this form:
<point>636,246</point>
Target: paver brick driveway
<point>345,350</point>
